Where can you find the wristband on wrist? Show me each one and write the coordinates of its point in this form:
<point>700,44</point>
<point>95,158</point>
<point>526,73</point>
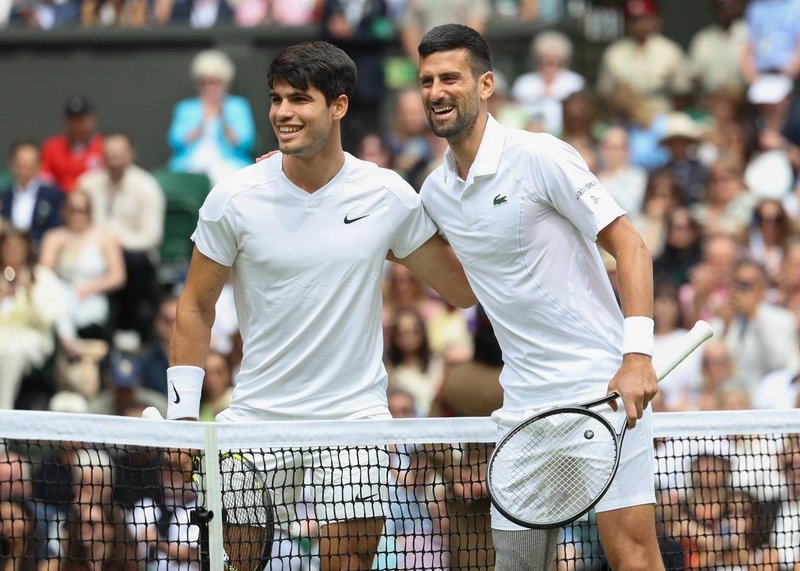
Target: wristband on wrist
<point>184,385</point>
<point>637,335</point>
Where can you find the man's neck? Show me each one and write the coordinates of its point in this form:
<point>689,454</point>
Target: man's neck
<point>314,172</point>
<point>465,148</point>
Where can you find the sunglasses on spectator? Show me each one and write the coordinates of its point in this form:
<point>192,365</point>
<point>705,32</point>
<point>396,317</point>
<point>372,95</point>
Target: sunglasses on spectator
<point>744,285</point>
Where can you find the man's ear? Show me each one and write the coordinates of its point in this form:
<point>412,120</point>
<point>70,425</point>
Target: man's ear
<point>486,82</point>
<point>340,106</point>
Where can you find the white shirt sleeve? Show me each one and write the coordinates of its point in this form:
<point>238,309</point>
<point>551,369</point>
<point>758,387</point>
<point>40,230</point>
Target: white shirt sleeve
<point>215,235</point>
<point>565,182</point>
<point>413,226</point>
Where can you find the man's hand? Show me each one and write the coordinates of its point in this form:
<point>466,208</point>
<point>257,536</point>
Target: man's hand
<point>636,383</point>
<point>176,459</point>
<point>268,155</point>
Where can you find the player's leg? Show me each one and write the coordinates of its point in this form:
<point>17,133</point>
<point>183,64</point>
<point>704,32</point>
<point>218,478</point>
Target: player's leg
<point>629,538</point>
<point>524,550</point>
<point>350,545</point>
<point>626,514</point>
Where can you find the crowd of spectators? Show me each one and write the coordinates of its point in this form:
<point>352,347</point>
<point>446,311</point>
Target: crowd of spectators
<point>701,147</point>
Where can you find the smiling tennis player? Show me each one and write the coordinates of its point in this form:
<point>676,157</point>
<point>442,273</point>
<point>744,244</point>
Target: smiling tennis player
<point>306,233</point>
<point>522,213</point>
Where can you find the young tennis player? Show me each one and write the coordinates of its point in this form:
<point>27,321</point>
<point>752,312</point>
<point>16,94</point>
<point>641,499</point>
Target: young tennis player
<point>524,214</point>
<point>306,233</point>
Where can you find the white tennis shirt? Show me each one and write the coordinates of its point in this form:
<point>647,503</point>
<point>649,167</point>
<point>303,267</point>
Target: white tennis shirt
<point>307,284</point>
<point>523,225</point>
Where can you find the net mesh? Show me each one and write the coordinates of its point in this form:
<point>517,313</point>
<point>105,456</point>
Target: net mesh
<point>81,492</point>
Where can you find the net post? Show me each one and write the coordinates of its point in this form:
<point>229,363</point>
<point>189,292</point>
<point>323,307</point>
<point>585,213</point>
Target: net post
<point>200,517</point>
<point>212,498</point>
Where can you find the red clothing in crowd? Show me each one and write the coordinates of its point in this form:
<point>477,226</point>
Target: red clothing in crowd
<point>63,165</point>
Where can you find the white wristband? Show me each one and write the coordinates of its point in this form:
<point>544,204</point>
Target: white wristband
<point>184,386</point>
<point>637,335</point>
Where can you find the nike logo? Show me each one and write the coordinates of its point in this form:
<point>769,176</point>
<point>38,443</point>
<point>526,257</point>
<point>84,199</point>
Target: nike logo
<point>360,498</point>
<point>498,200</point>
<point>351,220</point>
<point>177,396</point>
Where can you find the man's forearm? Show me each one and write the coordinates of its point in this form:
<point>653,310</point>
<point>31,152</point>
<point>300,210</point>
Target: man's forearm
<point>192,337</point>
<point>635,277</point>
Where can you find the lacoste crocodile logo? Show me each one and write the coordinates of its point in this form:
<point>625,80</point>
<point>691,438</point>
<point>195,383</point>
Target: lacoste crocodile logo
<point>498,200</point>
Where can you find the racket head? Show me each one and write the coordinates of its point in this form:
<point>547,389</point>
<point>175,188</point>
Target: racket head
<point>247,514</point>
<point>553,467</point>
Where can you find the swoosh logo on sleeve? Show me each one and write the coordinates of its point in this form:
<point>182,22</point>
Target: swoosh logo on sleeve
<point>177,396</point>
<point>351,220</point>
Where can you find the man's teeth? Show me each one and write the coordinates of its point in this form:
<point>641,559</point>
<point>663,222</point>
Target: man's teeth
<point>440,110</point>
<point>289,129</point>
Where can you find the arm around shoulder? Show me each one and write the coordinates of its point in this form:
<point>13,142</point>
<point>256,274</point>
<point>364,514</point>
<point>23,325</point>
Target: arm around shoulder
<point>435,263</point>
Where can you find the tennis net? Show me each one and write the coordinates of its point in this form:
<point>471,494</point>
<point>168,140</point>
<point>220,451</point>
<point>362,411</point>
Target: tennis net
<point>96,492</point>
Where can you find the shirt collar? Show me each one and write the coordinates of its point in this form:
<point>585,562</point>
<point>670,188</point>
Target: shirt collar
<point>487,160</point>
<point>29,188</point>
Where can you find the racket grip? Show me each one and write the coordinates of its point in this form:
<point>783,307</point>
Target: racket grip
<point>700,333</point>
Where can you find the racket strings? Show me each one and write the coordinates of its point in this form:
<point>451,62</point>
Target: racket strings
<point>552,469</point>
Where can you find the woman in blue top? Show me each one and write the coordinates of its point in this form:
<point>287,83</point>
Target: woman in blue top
<point>212,133</point>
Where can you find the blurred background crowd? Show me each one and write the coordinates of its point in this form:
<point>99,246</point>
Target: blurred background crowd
<point>698,141</point>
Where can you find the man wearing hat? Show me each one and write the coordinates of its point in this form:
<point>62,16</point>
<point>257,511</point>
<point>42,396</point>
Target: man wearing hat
<point>78,149</point>
<point>646,60</point>
<point>681,139</point>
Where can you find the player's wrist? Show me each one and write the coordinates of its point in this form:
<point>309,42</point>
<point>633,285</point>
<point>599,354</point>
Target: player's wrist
<point>184,386</point>
<point>637,335</point>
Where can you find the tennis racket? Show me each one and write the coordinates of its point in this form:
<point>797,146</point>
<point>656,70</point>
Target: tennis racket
<point>554,466</point>
<point>247,516</point>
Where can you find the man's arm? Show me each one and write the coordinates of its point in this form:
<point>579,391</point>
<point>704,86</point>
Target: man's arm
<point>192,336</point>
<point>435,263</point>
<point>636,380</point>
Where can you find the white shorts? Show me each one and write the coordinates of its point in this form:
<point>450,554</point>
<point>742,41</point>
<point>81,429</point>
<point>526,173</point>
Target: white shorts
<point>325,485</point>
<point>634,483</point>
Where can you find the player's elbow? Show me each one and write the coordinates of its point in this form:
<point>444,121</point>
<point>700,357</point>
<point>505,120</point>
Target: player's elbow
<point>465,299</point>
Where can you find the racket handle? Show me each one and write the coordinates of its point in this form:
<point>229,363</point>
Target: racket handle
<point>700,333</point>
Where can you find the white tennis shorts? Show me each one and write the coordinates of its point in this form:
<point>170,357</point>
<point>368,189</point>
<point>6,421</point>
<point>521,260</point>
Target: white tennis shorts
<point>634,483</point>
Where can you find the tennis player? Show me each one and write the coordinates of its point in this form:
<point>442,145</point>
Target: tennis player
<point>524,214</point>
<point>306,233</point>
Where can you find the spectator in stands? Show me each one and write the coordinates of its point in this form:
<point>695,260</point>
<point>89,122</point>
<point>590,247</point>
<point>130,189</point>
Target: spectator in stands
<point>44,14</point>
<point>682,248</point>
<point>362,30</point>
<point>79,149</point>
<point>786,533</point>
<point>768,236</point>
<point>153,361</point>
<point>777,390</point>
<point>194,13</point>
<point>96,537</point>
<point>249,13</point>
<point>681,386</point>
<point>17,538</point>
<point>373,148</point>
<point>788,291</point>
<point>681,140</point>
<point>542,90</point>
<point>709,286</point>
<point>504,108</point>
<point>646,125</point>
<point>212,133</point>
<point>161,523</point>
<point>408,138</point>
<point>90,264</point>
<point>217,386</point>
<point>580,112</point>
<point>773,42</point>
<point>626,182</point>
<point>661,195</point>
<point>105,13</point>
<point>409,361</point>
<point>473,388</point>
<point>403,290</point>
<point>128,204</point>
<point>761,336</point>
<point>647,61</point>
<point>31,301</point>
<point>401,403</point>
<point>724,135</point>
<point>419,16</point>
<point>29,204</point>
<point>125,387</point>
<point>716,51</point>
<point>727,205</point>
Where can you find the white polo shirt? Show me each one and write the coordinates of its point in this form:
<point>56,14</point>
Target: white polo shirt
<point>307,284</point>
<point>523,225</point>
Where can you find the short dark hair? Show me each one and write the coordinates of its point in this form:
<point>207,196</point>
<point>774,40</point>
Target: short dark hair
<point>320,64</point>
<point>20,144</point>
<point>454,37</point>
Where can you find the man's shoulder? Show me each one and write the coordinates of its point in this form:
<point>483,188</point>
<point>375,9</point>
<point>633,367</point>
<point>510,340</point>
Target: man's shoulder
<point>53,142</point>
<point>258,176</point>
<point>373,177</point>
